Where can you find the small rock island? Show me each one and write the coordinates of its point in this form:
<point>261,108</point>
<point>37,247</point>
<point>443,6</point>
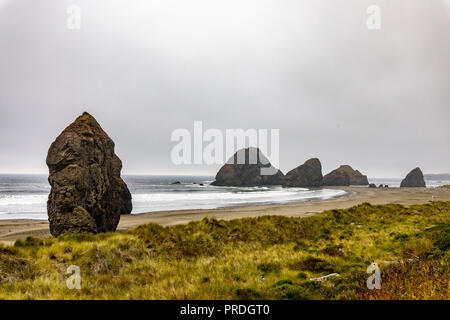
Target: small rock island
<point>244,169</point>
<point>414,179</point>
<point>345,176</point>
<point>307,175</point>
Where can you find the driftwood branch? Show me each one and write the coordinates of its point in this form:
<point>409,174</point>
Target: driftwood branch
<point>324,278</point>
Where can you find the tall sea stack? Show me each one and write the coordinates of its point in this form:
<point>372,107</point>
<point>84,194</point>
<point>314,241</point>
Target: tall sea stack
<point>87,193</point>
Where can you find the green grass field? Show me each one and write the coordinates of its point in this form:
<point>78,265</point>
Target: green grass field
<point>271,257</point>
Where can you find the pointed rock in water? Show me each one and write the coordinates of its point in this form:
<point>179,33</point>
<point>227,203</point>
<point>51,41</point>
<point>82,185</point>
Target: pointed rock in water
<point>308,175</point>
<point>87,193</point>
<point>414,179</point>
<point>248,168</point>
<point>345,176</point>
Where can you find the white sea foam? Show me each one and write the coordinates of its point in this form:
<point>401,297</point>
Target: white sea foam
<point>23,206</point>
<point>32,206</point>
<point>25,197</point>
<point>210,200</point>
<point>22,200</point>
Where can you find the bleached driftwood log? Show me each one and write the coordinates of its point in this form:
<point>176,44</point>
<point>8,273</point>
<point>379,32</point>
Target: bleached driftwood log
<point>324,278</point>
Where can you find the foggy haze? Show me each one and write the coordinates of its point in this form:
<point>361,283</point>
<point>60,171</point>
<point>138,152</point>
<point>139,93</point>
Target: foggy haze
<point>378,100</point>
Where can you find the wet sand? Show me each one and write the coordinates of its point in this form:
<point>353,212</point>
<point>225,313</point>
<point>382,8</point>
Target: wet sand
<point>11,230</point>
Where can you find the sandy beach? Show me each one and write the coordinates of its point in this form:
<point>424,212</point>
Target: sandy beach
<point>11,230</point>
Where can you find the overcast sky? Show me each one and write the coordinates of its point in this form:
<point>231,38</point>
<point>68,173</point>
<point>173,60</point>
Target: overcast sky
<point>377,100</point>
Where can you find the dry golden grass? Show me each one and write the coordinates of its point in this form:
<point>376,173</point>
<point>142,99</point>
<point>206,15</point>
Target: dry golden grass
<point>270,257</point>
<point>412,280</point>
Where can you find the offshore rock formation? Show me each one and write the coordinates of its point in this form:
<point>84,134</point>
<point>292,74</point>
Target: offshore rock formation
<point>248,168</point>
<point>345,176</point>
<point>308,175</point>
<point>414,179</point>
<point>336,178</point>
<point>87,193</point>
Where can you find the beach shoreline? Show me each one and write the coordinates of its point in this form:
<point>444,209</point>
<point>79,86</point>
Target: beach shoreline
<point>11,230</point>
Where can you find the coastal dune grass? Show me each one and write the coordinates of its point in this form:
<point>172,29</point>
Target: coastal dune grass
<point>270,257</point>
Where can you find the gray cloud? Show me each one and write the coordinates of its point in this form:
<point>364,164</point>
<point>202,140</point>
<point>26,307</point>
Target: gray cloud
<point>377,100</point>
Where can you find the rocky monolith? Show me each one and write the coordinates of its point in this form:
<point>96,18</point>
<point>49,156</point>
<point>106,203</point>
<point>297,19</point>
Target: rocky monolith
<point>87,193</point>
<point>345,176</point>
<point>308,175</point>
<point>414,179</point>
<point>248,168</point>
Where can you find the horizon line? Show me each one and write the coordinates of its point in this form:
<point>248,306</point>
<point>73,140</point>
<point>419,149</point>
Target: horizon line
<point>183,175</point>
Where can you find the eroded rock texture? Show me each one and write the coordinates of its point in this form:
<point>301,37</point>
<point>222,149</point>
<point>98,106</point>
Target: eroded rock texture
<point>345,176</point>
<point>87,193</point>
<point>308,175</point>
<point>248,168</point>
<point>414,179</point>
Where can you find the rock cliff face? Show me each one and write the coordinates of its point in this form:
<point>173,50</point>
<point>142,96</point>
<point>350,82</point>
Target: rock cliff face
<point>414,179</point>
<point>308,175</point>
<point>345,176</point>
<point>248,168</point>
<point>87,193</point>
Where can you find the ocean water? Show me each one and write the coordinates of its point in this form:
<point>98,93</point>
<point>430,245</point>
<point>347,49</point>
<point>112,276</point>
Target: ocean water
<point>25,196</point>
<point>395,183</point>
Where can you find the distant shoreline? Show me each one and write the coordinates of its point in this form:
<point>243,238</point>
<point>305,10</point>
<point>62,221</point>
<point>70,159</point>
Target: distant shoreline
<point>11,230</point>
